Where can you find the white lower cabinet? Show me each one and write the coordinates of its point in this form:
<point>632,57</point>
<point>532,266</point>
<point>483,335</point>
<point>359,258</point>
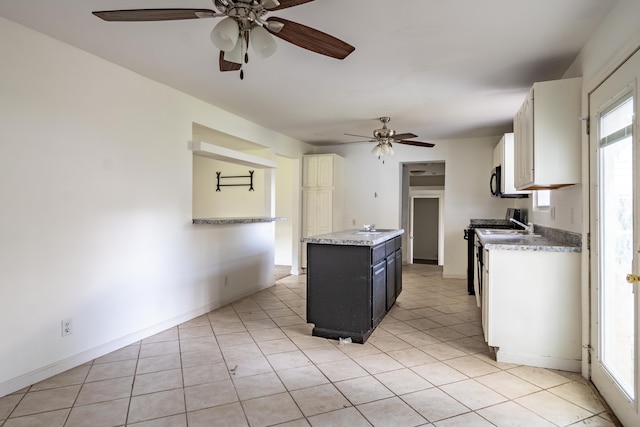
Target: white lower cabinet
<point>485,294</point>
<point>531,307</point>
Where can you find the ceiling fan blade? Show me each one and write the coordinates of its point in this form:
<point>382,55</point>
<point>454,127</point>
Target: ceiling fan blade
<point>312,39</point>
<point>289,3</point>
<point>359,136</point>
<point>136,15</point>
<point>226,65</point>
<point>416,143</point>
<point>404,136</point>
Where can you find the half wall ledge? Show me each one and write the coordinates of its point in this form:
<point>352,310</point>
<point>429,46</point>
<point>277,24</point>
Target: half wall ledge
<point>239,220</point>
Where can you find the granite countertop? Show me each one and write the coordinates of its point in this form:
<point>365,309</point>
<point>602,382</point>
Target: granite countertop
<point>236,220</point>
<point>354,237</point>
<point>541,241</point>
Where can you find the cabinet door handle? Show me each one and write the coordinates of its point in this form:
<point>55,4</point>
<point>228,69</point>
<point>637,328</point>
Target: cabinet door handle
<point>633,278</point>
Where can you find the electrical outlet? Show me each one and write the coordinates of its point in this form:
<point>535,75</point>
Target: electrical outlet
<point>66,327</point>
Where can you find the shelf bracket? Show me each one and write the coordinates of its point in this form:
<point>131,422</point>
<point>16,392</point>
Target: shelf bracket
<point>249,184</point>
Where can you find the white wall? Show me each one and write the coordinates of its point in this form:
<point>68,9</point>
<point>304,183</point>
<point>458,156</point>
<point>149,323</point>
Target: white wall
<point>374,191</point>
<point>287,187</point>
<point>614,40</point>
<point>229,201</point>
<point>565,211</point>
<point>95,183</point>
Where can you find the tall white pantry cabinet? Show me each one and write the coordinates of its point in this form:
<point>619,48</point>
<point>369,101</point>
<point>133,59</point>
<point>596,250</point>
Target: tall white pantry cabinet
<point>322,196</point>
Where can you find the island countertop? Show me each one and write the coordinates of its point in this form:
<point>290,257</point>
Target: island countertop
<point>354,237</point>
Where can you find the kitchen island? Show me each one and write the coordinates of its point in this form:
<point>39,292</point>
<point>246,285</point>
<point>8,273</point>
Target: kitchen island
<point>353,279</point>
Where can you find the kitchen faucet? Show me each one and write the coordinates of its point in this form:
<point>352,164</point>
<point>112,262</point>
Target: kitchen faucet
<point>528,226</point>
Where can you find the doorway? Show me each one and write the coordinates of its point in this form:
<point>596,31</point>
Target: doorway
<point>426,229</point>
<point>615,231</point>
<point>422,211</point>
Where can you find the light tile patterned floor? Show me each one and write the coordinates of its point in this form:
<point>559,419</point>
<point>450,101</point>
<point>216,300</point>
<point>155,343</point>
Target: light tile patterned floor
<point>255,363</point>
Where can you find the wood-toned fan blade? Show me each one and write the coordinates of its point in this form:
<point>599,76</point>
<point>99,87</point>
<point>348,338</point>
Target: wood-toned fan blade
<point>312,39</point>
<point>359,136</point>
<point>290,3</point>
<point>226,65</point>
<point>416,143</point>
<point>404,136</point>
<point>136,15</point>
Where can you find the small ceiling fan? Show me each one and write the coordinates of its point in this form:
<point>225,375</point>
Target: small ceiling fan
<point>243,24</point>
<point>385,137</point>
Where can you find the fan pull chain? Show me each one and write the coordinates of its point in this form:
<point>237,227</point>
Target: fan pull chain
<point>245,36</point>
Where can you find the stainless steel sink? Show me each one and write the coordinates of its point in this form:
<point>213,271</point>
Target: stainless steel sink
<point>502,231</point>
<point>508,233</point>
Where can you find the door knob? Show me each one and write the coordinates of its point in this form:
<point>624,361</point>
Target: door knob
<point>633,278</point>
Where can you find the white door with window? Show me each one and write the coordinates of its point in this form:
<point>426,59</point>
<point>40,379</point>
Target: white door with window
<point>615,245</point>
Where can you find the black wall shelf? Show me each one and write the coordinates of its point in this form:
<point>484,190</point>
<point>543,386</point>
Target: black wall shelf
<point>249,177</point>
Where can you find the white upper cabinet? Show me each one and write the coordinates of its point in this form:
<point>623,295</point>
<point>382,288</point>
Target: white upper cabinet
<point>498,154</point>
<point>318,170</point>
<point>504,156</point>
<point>322,195</point>
<point>547,136</point>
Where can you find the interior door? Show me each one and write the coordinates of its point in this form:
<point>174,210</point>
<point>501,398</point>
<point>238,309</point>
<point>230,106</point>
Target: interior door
<point>615,242</point>
<point>431,232</point>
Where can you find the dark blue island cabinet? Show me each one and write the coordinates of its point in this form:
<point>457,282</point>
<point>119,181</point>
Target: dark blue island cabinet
<point>350,287</point>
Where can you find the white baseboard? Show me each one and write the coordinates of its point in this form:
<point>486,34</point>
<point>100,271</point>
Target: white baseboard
<point>570,365</point>
<point>33,377</point>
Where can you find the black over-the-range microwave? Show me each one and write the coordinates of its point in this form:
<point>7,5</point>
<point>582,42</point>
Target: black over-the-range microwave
<point>495,184</point>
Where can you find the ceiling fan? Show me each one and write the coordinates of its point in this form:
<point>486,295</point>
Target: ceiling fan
<point>385,137</point>
<point>244,24</point>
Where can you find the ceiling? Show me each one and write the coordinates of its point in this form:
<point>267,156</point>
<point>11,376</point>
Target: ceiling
<point>440,69</point>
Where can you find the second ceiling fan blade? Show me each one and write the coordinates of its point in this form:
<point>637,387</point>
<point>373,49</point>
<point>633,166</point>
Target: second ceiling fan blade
<point>226,65</point>
<point>416,143</point>
<point>289,3</point>
<point>359,136</point>
<point>312,39</point>
<point>137,15</point>
<point>405,136</point>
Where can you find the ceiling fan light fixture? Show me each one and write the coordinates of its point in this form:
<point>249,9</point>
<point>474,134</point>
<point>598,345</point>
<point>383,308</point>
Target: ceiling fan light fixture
<point>270,4</point>
<point>225,35</point>
<point>274,26</point>
<point>262,42</point>
<point>237,54</point>
<point>377,150</point>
